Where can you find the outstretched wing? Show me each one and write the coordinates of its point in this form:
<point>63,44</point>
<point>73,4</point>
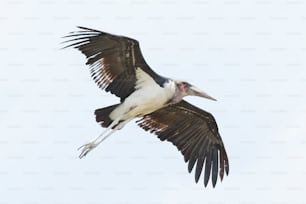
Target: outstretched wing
<point>195,133</point>
<point>113,60</point>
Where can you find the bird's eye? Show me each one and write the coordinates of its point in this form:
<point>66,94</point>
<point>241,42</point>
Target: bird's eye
<point>182,86</point>
<point>185,85</point>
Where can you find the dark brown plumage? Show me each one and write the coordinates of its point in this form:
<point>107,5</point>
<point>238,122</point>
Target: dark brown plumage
<point>112,60</point>
<point>195,133</point>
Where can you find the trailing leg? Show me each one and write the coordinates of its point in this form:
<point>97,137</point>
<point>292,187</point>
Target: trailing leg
<point>116,124</point>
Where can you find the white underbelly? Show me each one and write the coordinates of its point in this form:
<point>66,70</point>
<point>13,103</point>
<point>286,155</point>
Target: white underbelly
<point>146,102</point>
<point>140,103</point>
<point>147,98</point>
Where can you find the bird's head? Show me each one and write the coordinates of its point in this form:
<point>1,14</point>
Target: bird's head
<point>187,89</point>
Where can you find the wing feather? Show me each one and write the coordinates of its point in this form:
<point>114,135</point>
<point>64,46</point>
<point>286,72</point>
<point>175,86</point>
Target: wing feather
<point>200,163</point>
<point>113,60</point>
<point>207,168</point>
<point>195,150</point>
<point>214,171</point>
<point>195,133</point>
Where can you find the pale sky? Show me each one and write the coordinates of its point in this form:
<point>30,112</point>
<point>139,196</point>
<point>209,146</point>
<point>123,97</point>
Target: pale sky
<point>249,54</point>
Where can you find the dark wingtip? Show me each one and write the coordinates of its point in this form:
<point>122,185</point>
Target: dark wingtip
<point>190,167</point>
<point>224,167</point>
<point>215,168</point>
<point>226,163</point>
<point>66,46</point>
<point>207,172</point>
<point>214,182</point>
<point>82,27</point>
<point>89,29</point>
<point>227,168</point>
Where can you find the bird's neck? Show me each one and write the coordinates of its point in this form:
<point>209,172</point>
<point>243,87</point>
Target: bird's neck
<point>178,96</point>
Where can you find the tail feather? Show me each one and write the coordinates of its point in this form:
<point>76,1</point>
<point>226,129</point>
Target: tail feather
<point>102,115</point>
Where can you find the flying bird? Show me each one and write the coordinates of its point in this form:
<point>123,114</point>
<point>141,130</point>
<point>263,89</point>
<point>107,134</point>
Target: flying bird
<point>117,66</point>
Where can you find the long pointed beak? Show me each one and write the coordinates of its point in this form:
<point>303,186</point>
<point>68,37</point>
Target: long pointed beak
<point>198,92</point>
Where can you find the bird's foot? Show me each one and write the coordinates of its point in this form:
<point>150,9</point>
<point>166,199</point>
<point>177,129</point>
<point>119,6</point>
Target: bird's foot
<point>86,148</point>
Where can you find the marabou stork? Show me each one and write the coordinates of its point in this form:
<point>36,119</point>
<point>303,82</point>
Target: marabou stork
<point>117,66</point>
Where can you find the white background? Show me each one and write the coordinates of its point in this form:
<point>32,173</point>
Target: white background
<point>249,54</point>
